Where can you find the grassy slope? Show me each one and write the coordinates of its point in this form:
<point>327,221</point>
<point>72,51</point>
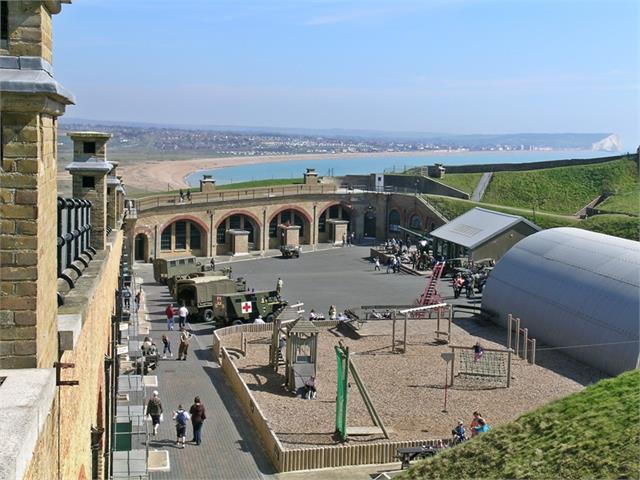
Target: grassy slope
<point>591,434</point>
<point>624,202</point>
<point>465,182</point>
<point>618,225</point>
<point>563,189</point>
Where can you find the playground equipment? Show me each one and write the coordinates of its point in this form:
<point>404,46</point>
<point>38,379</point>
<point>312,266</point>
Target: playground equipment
<point>528,350</point>
<point>491,369</point>
<point>344,367</point>
<point>430,296</point>
<point>302,353</point>
<point>411,313</point>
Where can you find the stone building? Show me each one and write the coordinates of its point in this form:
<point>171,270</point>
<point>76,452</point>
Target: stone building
<point>49,429</point>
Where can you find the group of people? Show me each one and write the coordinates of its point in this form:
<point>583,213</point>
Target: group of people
<point>181,417</point>
<point>478,425</point>
<point>348,239</point>
<point>171,313</point>
<point>184,195</point>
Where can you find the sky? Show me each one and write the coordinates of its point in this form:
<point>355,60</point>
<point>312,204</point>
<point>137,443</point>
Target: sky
<point>454,66</point>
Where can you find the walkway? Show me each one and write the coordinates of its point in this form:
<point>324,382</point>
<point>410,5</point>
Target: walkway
<point>229,447</point>
<point>478,193</point>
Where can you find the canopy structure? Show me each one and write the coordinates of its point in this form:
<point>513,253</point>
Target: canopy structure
<point>573,289</point>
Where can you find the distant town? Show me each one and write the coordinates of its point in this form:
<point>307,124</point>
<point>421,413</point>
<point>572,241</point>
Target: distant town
<point>244,143</point>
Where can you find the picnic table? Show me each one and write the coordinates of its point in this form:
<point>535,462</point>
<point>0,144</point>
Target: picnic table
<point>411,453</point>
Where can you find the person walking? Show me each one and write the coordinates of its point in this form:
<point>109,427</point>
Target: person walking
<point>181,418</point>
<point>183,313</point>
<point>353,239</point>
<point>167,347</point>
<point>169,313</point>
<point>344,239</point>
<point>183,349</point>
<point>154,410</point>
<point>198,416</point>
<point>377,265</point>
<point>137,299</point>
<point>279,285</point>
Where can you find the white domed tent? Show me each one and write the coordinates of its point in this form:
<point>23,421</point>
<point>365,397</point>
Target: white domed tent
<point>573,288</point>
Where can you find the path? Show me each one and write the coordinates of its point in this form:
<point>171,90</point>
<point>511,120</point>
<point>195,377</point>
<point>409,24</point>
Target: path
<point>478,193</point>
<point>229,449</point>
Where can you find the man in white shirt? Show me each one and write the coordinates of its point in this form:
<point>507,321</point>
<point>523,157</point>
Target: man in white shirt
<point>259,320</point>
<point>182,315</point>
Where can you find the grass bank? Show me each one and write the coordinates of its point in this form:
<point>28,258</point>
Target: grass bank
<point>563,189</point>
<point>591,434</point>
<point>465,182</point>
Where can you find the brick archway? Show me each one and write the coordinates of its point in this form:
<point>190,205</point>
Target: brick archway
<point>295,208</point>
<point>190,218</point>
<point>239,212</point>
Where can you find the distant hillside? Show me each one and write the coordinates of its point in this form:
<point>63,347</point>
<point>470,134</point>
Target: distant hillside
<point>593,434</point>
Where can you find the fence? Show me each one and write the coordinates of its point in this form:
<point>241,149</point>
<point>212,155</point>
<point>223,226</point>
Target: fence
<point>74,230</point>
<point>525,349</point>
<point>147,203</point>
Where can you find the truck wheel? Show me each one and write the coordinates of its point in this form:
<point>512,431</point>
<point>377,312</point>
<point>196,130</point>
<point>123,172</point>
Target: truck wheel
<point>207,315</point>
<point>269,318</point>
<point>237,322</point>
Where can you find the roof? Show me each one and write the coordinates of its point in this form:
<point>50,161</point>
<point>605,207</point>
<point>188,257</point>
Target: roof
<point>211,278</point>
<point>303,325</point>
<point>31,75</point>
<point>573,287</point>
<point>477,226</point>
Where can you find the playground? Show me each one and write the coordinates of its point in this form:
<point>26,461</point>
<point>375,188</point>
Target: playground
<point>406,388</point>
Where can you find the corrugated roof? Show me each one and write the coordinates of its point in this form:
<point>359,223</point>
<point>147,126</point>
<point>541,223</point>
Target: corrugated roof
<point>477,226</point>
<point>303,325</point>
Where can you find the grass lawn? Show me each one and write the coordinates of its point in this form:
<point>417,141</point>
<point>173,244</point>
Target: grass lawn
<point>591,434</point>
<point>624,202</point>
<point>564,189</point>
<point>465,182</point>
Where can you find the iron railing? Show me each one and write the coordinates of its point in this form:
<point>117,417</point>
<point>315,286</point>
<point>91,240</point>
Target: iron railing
<point>74,230</point>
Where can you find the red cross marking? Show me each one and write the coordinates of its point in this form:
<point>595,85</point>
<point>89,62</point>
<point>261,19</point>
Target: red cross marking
<point>246,307</point>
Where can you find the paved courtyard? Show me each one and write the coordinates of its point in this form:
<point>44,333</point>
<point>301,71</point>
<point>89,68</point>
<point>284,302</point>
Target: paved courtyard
<point>340,276</point>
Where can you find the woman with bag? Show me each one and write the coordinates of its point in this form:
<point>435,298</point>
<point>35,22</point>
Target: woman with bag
<point>154,410</point>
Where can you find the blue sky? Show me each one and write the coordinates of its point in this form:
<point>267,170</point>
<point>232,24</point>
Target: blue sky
<point>458,66</point>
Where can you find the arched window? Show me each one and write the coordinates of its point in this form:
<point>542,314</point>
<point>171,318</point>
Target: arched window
<point>394,221</point>
<point>415,222</point>
<point>181,235</point>
<point>165,239</point>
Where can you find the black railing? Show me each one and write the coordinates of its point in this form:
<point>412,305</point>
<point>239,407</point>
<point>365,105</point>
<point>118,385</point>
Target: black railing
<point>74,230</point>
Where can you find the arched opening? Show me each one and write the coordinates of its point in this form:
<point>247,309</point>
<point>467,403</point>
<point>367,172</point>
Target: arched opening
<point>415,222</point>
<point>337,212</point>
<point>237,221</point>
<point>370,223</point>
<point>289,216</point>
<point>141,247</point>
<point>394,221</point>
<point>183,236</point>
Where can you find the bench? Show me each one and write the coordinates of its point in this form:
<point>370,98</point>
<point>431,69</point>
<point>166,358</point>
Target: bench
<point>406,455</point>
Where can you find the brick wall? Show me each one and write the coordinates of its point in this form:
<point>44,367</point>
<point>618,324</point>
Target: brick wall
<point>44,462</point>
<point>29,30</point>
<point>27,235</point>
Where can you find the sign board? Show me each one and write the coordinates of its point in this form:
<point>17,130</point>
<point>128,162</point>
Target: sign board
<point>447,356</point>
<point>246,307</point>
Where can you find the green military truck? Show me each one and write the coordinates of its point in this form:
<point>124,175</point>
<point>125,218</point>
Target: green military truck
<point>197,293</point>
<point>172,282</point>
<point>165,268</point>
<point>244,307</point>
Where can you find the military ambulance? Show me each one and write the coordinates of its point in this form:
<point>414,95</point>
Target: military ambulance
<point>197,293</point>
<point>239,308</point>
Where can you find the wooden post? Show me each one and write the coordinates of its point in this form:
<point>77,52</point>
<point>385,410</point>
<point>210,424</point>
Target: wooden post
<point>393,335</point>
<point>450,322</point>
<point>509,329</point>
<point>438,325</point>
<point>525,344</point>
<point>405,333</point>
<point>243,344</point>
<point>518,336</point>
<point>453,361</point>
<point>533,351</point>
<point>509,369</point>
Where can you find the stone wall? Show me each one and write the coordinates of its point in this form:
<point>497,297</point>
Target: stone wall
<point>83,406</point>
<point>29,30</point>
<point>44,462</point>
<point>28,233</point>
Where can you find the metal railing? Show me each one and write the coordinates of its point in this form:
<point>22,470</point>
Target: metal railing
<point>146,203</point>
<point>74,230</point>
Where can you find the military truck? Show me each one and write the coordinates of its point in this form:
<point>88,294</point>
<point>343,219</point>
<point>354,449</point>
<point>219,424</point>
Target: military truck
<point>173,281</point>
<point>290,251</point>
<point>197,293</point>
<point>165,268</point>
<point>244,307</point>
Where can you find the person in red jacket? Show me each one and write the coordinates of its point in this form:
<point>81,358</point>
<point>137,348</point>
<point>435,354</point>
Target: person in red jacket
<point>170,312</point>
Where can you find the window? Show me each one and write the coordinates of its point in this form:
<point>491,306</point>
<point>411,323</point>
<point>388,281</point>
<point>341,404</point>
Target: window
<point>248,226</point>
<point>235,222</point>
<point>109,191</point>
<point>394,221</point>
<point>181,262</point>
<point>194,237</point>
<point>322,223</point>
<point>4,23</point>
<point>334,211</point>
<point>297,220</point>
<point>165,239</point>
<point>89,147</point>
<point>415,222</point>
<point>88,182</point>
<point>181,235</point>
<point>273,227</point>
<point>221,236</point>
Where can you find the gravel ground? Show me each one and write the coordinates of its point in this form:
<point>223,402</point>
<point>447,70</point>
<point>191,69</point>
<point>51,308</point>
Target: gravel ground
<point>406,389</point>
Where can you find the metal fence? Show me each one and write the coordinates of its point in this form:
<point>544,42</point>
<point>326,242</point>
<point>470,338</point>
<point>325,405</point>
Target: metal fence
<point>74,230</point>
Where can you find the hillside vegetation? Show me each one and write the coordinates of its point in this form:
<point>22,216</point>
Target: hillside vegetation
<point>592,434</point>
<point>465,182</point>
<point>624,226</point>
<point>562,190</point>
<point>625,202</point>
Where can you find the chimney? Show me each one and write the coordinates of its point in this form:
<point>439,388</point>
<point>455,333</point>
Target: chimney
<point>207,184</point>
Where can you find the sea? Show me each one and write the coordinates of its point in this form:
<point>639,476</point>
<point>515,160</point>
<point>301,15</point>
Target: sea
<point>340,165</point>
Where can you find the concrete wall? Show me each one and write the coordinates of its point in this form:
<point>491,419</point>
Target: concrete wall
<point>425,185</point>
